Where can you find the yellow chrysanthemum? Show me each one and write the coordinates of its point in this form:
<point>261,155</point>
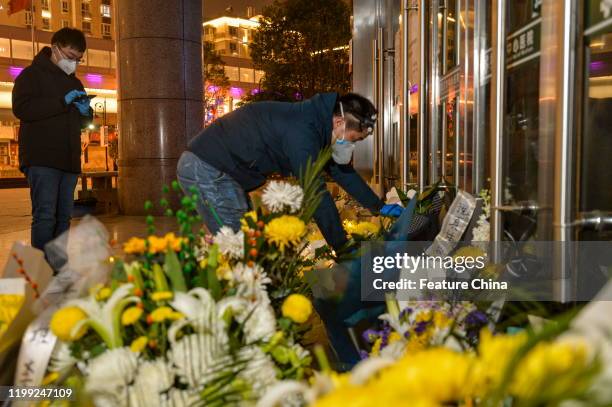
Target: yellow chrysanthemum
<point>50,378</point>
<point>134,246</point>
<point>360,228</point>
<point>469,251</point>
<point>244,225</point>
<point>131,315</point>
<point>285,231</point>
<point>162,295</point>
<point>103,293</point>
<point>63,322</point>
<point>10,304</point>
<point>297,308</point>
<point>157,244</point>
<point>161,314</point>
<point>139,344</point>
<point>173,242</point>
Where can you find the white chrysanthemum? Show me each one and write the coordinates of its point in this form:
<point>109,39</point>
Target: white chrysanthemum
<point>481,233</point>
<point>259,372</point>
<point>250,281</point>
<point>61,359</point>
<point>261,323</point>
<point>230,243</point>
<point>278,195</point>
<point>109,375</point>
<point>154,378</point>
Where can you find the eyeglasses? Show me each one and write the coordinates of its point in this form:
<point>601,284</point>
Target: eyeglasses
<point>78,60</point>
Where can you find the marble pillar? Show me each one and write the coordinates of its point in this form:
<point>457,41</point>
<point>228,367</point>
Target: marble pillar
<point>160,93</point>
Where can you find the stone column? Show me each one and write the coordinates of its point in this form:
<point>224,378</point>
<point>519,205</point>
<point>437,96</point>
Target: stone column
<point>159,93</point>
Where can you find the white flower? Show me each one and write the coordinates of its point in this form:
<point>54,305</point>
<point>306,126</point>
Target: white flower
<point>231,244</point>
<point>153,378</point>
<point>481,233</point>
<point>261,323</point>
<point>104,317</point>
<point>259,371</point>
<point>251,281</point>
<point>61,359</point>
<point>109,375</point>
<point>278,195</point>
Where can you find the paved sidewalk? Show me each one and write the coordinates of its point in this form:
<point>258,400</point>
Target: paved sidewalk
<point>15,220</point>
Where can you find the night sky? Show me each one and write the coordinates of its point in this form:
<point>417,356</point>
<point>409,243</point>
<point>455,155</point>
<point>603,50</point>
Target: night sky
<point>216,8</point>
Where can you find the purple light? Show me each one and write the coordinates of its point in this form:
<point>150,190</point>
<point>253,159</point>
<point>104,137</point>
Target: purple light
<point>597,65</point>
<point>236,92</point>
<point>14,71</point>
<point>213,89</point>
<point>93,78</point>
<point>255,91</point>
<point>414,88</point>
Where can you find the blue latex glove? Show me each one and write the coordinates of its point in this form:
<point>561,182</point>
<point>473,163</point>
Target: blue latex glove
<point>83,107</point>
<point>73,95</point>
<point>393,210</point>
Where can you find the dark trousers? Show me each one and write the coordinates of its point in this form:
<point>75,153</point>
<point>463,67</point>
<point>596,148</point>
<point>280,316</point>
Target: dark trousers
<point>52,195</point>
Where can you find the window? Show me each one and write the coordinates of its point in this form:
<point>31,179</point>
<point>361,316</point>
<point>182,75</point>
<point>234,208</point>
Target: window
<point>87,27</point>
<point>65,23</point>
<point>105,10</point>
<point>5,48</point>
<point>233,48</point>
<point>233,31</point>
<point>85,11</point>
<point>65,6</point>
<point>232,73</point>
<point>106,30</point>
<point>28,18</point>
<point>44,4</point>
<point>246,75</point>
<point>99,58</point>
<point>258,76</point>
<point>46,24</point>
<point>22,49</point>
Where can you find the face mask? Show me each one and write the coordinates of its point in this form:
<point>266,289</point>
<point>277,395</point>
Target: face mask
<point>66,65</point>
<point>342,150</point>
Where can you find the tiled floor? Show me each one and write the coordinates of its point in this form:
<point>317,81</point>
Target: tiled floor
<point>15,218</point>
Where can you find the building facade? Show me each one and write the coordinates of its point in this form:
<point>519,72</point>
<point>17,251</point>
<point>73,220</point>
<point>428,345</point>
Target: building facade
<point>231,37</point>
<point>24,34</point>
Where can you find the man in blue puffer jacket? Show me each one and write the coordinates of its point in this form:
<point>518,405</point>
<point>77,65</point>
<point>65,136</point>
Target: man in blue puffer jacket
<point>238,151</point>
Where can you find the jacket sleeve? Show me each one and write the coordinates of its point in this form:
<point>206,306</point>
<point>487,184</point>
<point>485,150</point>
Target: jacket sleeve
<point>29,105</point>
<point>326,215</point>
<point>355,186</point>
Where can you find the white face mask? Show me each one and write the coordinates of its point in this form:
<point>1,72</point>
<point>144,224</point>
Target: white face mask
<point>66,65</point>
<point>342,150</point>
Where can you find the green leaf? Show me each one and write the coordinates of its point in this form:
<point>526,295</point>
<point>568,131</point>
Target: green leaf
<point>173,270</point>
<point>161,284</point>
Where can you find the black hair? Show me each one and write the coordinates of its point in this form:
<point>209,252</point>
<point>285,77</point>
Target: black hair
<point>70,37</point>
<point>359,108</point>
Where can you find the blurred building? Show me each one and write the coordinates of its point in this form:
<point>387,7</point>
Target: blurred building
<point>231,37</point>
<point>18,44</point>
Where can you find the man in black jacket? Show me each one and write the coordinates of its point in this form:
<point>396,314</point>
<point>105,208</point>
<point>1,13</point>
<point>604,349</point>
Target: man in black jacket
<point>238,151</point>
<point>53,107</point>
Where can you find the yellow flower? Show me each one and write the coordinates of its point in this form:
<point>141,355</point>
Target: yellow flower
<point>131,315</point>
<point>103,294</point>
<point>243,222</point>
<point>162,313</point>
<point>361,228</point>
<point>157,244</point>
<point>297,308</point>
<point>285,231</point>
<point>10,304</point>
<point>134,246</point>
<point>553,369</point>
<point>173,242</point>
<point>469,251</point>
<point>139,344</point>
<point>162,295</point>
<point>50,378</point>
<point>63,322</point>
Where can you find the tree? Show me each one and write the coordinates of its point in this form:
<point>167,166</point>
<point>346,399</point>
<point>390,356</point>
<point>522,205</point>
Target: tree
<point>301,45</point>
<point>214,72</point>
